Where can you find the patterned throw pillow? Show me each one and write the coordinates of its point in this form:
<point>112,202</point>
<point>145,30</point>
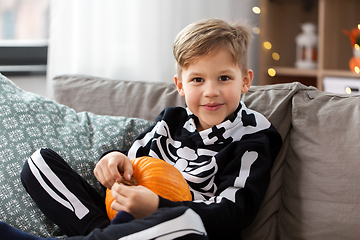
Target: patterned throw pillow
<point>29,122</point>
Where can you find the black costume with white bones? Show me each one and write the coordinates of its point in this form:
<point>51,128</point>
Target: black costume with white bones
<point>227,166</point>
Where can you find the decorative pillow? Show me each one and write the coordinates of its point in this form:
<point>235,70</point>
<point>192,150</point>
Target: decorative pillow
<point>29,122</point>
<point>274,101</point>
<point>321,190</point>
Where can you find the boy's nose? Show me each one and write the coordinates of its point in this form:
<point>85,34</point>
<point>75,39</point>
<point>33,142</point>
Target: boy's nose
<point>211,90</point>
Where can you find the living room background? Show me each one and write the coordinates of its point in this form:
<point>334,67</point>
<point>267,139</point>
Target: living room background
<point>119,39</point>
<point>129,40</point>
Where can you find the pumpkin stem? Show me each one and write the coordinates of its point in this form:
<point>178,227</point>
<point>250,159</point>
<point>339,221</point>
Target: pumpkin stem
<point>132,182</point>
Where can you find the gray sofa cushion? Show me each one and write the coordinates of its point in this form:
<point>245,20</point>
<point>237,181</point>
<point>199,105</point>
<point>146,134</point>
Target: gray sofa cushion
<point>321,190</point>
<point>275,102</point>
<point>118,98</point>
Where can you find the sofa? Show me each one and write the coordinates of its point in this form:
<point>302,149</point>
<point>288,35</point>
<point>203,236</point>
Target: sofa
<point>314,191</point>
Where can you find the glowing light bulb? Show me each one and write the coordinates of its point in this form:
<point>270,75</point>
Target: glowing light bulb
<point>271,72</point>
<point>267,45</point>
<point>256,10</point>
<point>276,56</point>
<point>359,26</point>
<point>356,46</point>
<point>357,69</point>
<point>348,90</point>
<point>255,30</point>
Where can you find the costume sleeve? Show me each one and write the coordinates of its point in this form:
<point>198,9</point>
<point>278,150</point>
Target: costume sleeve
<point>241,186</point>
<point>142,151</point>
<point>175,117</point>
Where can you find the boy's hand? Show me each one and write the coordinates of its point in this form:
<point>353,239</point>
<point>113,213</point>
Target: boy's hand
<point>139,201</point>
<point>109,167</point>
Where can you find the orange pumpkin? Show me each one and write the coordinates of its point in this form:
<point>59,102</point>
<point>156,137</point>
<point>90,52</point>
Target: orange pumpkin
<point>157,175</point>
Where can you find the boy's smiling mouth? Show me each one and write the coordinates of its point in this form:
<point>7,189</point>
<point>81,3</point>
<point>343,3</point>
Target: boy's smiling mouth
<point>212,106</point>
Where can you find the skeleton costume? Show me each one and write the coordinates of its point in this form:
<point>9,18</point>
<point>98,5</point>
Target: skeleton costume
<point>227,168</point>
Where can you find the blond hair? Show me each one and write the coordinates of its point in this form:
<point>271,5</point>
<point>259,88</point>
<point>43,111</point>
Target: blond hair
<point>208,36</point>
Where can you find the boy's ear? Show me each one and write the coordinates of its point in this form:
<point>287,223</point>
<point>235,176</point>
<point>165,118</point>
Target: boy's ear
<point>247,81</point>
<point>179,86</point>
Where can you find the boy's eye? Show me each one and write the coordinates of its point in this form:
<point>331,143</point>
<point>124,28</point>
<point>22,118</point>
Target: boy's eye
<point>198,80</point>
<point>224,78</point>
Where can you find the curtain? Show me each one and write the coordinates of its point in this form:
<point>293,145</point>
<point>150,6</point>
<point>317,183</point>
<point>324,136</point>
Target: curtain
<point>129,39</point>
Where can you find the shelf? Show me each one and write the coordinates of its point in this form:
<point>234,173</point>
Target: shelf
<point>280,23</point>
<point>340,73</point>
<point>289,71</point>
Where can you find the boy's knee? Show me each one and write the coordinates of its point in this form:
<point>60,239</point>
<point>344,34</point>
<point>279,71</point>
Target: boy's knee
<point>40,155</point>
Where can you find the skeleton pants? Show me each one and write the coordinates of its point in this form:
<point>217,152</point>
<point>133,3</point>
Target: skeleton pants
<point>69,201</point>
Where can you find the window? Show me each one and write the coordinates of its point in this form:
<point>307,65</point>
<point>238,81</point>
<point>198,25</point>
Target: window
<point>24,31</point>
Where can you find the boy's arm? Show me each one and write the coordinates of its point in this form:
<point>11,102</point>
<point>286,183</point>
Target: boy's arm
<point>136,200</point>
<point>114,162</point>
<point>139,201</point>
<point>234,206</point>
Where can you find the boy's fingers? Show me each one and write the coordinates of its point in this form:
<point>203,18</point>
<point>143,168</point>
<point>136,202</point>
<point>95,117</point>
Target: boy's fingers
<point>118,190</point>
<point>113,168</point>
<point>104,178</point>
<point>128,170</point>
<point>118,207</point>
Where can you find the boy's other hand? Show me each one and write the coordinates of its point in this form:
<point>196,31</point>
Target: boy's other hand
<point>109,167</point>
<point>139,201</point>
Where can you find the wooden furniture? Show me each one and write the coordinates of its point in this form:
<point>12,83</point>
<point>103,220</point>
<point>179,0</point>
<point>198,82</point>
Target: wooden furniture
<point>280,22</point>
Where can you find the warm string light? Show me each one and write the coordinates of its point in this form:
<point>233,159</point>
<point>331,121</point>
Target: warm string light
<point>256,30</point>
<point>267,45</point>
<point>271,72</point>
<point>276,56</point>
<point>256,10</point>
<point>348,90</point>
<point>357,69</point>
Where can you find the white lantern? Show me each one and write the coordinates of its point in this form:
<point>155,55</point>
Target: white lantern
<point>306,47</point>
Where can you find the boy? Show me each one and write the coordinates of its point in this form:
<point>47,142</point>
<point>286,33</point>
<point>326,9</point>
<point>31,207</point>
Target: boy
<point>223,149</point>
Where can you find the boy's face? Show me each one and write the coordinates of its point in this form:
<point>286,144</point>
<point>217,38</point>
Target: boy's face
<point>212,88</point>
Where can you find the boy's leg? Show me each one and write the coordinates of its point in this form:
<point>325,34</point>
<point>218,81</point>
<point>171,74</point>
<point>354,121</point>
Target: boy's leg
<point>63,195</point>
<point>8,232</point>
<point>166,223</point>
